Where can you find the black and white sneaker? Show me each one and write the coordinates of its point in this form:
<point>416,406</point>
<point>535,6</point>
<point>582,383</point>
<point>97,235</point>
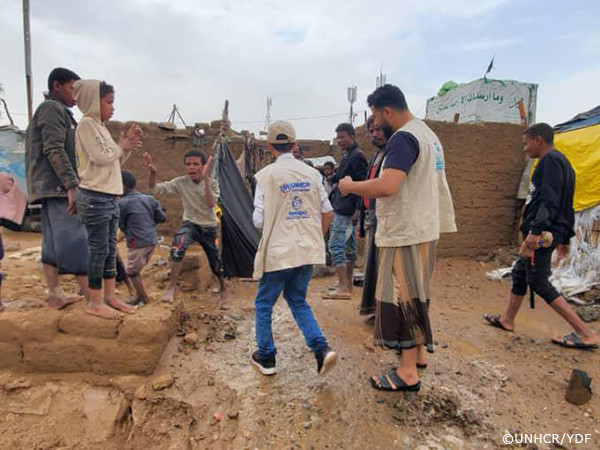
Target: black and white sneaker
<point>266,366</point>
<point>326,359</point>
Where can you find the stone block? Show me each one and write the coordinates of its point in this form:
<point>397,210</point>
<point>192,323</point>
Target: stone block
<point>10,355</point>
<point>29,326</point>
<point>81,354</point>
<point>79,323</point>
<point>153,324</point>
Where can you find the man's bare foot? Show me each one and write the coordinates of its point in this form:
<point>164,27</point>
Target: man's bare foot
<point>119,305</point>
<point>104,311</point>
<point>338,294</point>
<point>1,307</point>
<point>223,301</point>
<point>56,302</point>
<point>169,295</point>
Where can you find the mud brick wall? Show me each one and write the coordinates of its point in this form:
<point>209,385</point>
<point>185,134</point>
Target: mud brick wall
<point>73,341</point>
<point>484,164</point>
<point>167,149</point>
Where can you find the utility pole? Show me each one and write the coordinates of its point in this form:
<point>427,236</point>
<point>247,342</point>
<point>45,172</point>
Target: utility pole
<point>268,115</point>
<point>27,36</point>
<point>351,99</point>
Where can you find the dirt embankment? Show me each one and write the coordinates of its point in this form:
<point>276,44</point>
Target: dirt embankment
<point>480,383</point>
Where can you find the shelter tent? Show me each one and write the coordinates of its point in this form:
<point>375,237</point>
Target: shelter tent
<point>579,140</point>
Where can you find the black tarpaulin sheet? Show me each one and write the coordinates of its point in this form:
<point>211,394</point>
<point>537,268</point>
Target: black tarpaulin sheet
<point>239,236</point>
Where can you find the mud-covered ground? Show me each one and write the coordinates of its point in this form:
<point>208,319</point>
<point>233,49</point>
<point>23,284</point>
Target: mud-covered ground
<point>480,384</point>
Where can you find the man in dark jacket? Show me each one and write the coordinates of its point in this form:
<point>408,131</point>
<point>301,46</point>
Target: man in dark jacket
<point>549,207</point>
<point>342,238</point>
<point>52,181</point>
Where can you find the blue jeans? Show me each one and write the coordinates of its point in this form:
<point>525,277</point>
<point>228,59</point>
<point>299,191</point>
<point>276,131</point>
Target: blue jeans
<point>99,213</point>
<point>294,284</point>
<point>342,241</point>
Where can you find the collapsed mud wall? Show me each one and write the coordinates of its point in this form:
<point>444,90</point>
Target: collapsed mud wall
<point>73,341</point>
<point>484,164</point>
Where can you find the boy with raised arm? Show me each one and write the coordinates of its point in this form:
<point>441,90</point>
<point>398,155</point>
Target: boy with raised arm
<point>199,193</point>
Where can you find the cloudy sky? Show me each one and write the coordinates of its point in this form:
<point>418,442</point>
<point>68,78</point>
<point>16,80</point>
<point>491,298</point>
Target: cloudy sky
<point>302,54</point>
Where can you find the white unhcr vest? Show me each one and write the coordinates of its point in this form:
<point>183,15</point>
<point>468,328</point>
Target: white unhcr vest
<point>292,233</point>
<point>422,208</point>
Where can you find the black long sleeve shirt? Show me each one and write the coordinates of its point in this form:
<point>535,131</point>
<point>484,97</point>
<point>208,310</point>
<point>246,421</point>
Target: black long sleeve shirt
<point>549,205</point>
<point>353,164</point>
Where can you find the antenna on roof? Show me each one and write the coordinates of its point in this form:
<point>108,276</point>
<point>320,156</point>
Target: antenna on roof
<point>380,80</point>
<point>352,90</point>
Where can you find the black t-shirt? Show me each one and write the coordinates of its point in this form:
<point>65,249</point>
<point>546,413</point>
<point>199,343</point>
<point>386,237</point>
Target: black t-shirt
<point>402,152</point>
<point>549,205</point>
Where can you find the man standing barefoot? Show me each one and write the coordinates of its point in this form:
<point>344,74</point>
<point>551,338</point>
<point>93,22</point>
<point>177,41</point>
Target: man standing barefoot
<point>52,181</point>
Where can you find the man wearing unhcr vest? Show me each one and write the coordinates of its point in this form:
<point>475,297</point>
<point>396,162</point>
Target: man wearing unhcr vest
<point>414,206</point>
<point>292,208</point>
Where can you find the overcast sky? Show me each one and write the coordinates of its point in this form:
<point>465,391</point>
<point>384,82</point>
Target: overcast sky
<point>302,54</point>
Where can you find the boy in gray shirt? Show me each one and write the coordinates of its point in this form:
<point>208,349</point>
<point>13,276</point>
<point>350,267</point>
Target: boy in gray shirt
<point>199,193</point>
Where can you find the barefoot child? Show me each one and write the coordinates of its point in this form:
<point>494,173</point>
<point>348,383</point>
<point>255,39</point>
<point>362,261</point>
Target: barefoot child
<point>139,214</point>
<point>100,161</point>
<point>123,278</point>
<point>199,194</point>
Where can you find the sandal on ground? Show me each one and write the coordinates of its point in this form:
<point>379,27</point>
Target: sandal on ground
<point>494,320</point>
<point>392,382</point>
<point>421,366</point>
<point>574,341</point>
<point>337,296</point>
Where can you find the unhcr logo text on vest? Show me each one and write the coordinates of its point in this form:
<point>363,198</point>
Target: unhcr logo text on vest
<point>298,186</point>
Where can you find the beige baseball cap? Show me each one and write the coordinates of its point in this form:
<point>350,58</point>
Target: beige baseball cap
<point>278,128</point>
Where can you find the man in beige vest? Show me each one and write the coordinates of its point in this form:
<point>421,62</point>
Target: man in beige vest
<point>414,206</point>
<point>292,209</point>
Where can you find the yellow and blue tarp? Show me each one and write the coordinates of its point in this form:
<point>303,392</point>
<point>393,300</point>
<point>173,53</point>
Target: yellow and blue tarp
<point>579,140</point>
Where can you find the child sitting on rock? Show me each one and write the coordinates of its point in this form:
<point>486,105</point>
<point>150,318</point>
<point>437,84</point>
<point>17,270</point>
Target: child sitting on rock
<point>199,193</point>
<point>139,214</point>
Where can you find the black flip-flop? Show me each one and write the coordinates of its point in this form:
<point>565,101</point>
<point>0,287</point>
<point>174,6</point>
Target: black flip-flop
<point>494,320</point>
<point>421,366</point>
<point>574,341</point>
<point>391,382</point>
